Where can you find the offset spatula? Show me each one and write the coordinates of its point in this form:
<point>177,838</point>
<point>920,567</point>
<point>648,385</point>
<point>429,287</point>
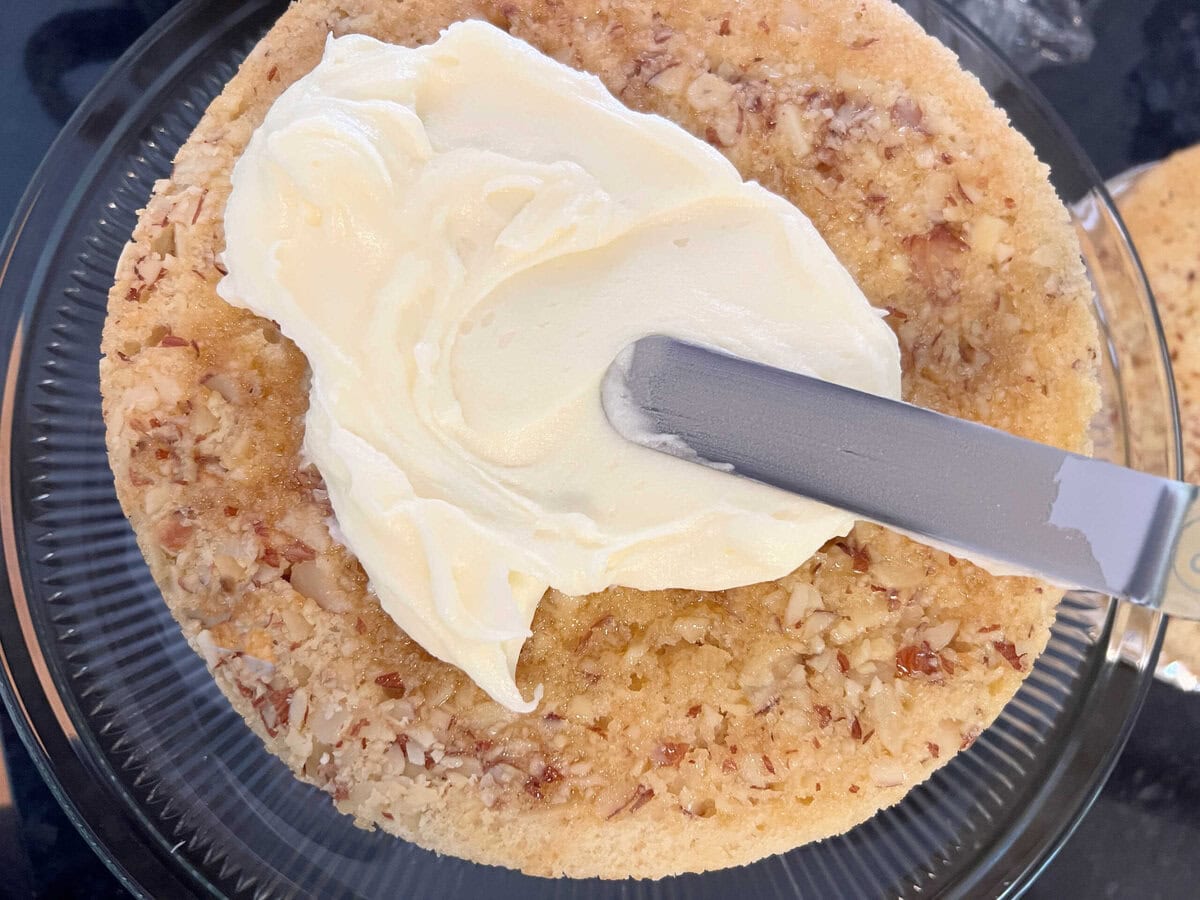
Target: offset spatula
<point>1074,521</point>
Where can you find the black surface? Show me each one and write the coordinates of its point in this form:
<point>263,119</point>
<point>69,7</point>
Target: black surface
<point>1136,99</point>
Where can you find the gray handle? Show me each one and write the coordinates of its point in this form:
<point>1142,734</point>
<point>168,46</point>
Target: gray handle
<point>1181,596</point>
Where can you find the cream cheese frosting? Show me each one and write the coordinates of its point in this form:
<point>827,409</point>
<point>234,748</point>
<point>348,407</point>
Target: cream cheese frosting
<point>460,238</point>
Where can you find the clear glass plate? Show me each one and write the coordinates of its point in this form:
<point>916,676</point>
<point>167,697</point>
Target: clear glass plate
<point>180,797</point>
<point>1177,663</point>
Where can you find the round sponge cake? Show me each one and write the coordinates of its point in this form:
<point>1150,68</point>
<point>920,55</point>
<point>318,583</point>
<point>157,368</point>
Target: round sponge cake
<point>680,730</point>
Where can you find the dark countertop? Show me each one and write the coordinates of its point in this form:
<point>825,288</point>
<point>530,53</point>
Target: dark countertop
<point>1136,99</point>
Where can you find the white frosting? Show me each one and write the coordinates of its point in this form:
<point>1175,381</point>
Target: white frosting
<point>460,238</point>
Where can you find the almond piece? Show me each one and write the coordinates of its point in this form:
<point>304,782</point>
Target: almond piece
<point>708,92</point>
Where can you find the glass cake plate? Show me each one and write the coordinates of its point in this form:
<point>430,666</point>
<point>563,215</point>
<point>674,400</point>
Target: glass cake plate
<point>1176,665</point>
<point>180,798</point>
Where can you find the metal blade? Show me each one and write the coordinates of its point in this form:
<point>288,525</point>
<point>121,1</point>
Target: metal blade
<point>1075,521</point>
